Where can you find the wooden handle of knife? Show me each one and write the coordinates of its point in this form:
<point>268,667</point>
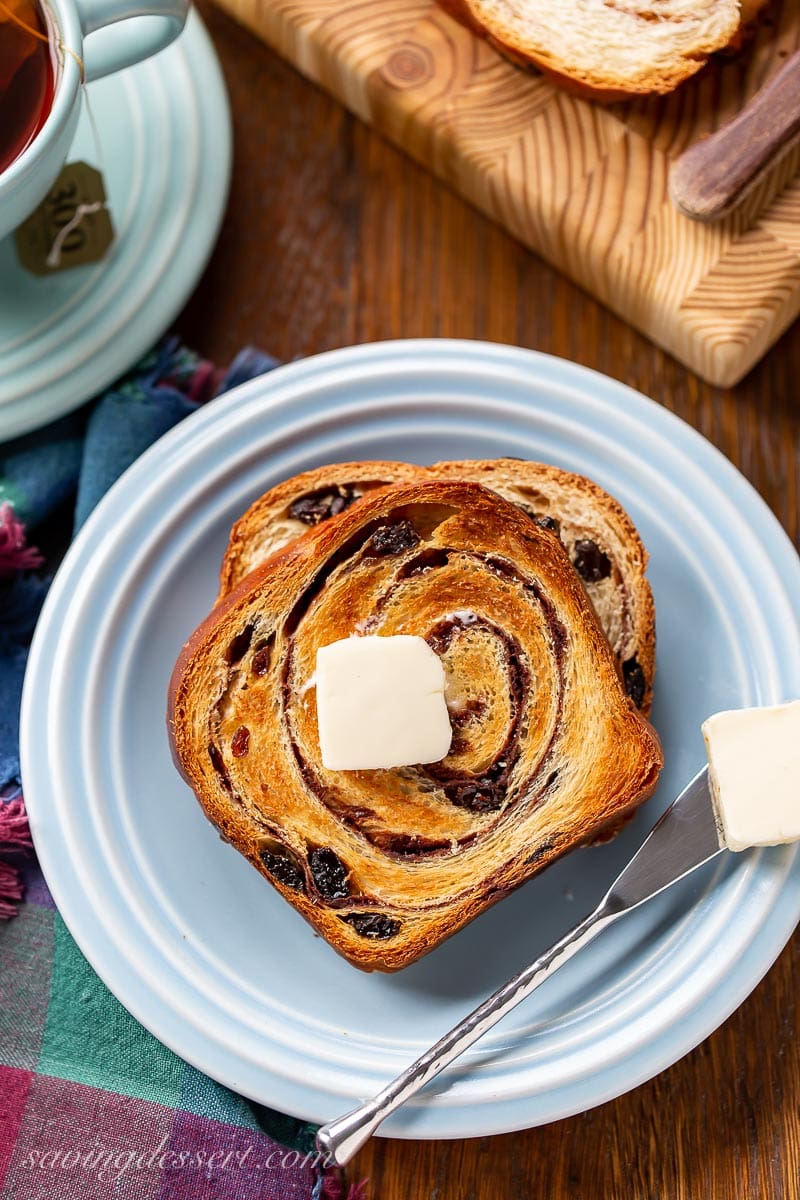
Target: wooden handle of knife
<point>710,179</point>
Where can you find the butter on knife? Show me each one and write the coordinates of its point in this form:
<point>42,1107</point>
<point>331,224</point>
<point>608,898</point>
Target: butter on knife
<point>753,779</point>
<point>754,773</point>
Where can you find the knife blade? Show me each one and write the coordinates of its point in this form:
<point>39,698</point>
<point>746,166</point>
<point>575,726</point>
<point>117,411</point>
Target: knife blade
<point>682,840</point>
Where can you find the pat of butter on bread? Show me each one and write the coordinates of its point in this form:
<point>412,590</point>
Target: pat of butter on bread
<point>754,774</point>
<point>381,704</point>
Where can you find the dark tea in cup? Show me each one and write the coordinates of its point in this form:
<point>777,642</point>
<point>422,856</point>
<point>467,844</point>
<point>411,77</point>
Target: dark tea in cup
<point>27,75</point>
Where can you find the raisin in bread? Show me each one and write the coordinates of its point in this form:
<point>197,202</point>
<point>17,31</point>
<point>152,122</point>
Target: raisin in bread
<point>548,751</point>
<point>298,504</point>
<point>600,538</point>
<point>608,49</point>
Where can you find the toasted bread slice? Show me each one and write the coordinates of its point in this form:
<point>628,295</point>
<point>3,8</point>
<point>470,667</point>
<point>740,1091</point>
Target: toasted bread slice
<point>549,752</point>
<point>608,49</point>
<point>600,538</point>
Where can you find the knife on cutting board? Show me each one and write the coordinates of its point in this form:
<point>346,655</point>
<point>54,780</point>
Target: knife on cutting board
<point>710,179</point>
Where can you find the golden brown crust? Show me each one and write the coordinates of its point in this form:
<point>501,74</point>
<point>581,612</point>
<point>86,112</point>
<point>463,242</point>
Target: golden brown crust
<point>582,88</point>
<point>550,751</point>
<point>624,601</point>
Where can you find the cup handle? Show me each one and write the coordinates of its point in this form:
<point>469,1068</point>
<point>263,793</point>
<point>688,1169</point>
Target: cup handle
<point>148,26</point>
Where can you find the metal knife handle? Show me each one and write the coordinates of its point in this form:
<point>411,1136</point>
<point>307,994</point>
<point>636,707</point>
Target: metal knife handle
<point>342,1138</point>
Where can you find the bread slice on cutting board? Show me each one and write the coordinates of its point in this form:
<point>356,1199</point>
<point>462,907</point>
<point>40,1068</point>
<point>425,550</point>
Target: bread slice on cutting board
<point>609,49</point>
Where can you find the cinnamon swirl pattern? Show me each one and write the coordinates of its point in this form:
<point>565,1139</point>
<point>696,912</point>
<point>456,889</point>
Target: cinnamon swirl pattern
<point>599,536</point>
<point>548,751</point>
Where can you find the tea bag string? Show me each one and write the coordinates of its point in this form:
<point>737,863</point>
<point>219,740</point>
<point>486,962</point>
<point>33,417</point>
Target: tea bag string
<point>35,33</point>
<point>82,210</point>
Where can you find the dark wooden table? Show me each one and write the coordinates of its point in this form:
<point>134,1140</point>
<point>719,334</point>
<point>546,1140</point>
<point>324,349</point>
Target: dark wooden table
<point>333,237</point>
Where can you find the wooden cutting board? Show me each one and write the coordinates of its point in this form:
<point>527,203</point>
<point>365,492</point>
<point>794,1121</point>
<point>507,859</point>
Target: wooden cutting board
<point>582,185</point>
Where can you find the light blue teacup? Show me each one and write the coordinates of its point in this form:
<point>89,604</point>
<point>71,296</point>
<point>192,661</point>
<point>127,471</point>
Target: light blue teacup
<point>105,35</point>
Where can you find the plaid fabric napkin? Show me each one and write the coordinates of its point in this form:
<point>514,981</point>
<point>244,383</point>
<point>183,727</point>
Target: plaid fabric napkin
<point>91,1105</point>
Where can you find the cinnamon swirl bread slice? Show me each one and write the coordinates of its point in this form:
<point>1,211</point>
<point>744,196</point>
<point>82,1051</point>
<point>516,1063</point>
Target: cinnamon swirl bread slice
<point>548,751</point>
<point>600,537</point>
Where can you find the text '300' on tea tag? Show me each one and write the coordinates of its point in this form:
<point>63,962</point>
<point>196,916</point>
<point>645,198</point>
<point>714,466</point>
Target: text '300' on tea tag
<point>72,225</point>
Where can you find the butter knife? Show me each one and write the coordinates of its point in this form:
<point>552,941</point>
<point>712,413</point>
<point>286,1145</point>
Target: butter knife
<point>684,838</point>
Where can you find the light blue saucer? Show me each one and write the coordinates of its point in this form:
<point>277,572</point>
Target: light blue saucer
<point>163,146</point>
<point>202,950</point>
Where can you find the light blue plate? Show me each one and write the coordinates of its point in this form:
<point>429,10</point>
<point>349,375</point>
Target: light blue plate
<point>199,947</point>
<point>163,146</point>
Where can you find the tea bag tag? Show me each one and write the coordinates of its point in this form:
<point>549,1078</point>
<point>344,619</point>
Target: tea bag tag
<point>71,227</point>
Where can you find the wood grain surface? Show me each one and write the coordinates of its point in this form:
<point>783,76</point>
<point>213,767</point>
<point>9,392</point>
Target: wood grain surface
<point>584,186</point>
<point>333,237</point>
